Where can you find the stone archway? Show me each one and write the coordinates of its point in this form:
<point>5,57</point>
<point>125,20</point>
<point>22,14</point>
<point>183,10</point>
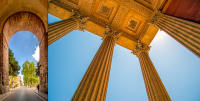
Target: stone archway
<point>18,22</point>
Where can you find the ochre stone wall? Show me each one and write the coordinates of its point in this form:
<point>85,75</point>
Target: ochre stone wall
<point>18,15</point>
<point>4,72</point>
<point>10,7</point>
<point>44,64</point>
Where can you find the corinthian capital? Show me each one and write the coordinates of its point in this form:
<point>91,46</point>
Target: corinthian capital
<point>140,47</point>
<point>111,32</point>
<point>82,22</point>
<point>80,19</point>
<point>156,17</point>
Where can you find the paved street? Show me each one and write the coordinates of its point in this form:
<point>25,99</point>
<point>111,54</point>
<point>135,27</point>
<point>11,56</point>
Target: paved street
<point>23,94</point>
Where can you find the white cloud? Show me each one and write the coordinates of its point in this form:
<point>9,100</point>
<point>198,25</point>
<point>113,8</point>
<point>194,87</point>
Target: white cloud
<point>161,36</point>
<point>36,54</point>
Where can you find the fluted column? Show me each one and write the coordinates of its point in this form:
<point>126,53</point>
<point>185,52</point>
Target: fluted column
<point>93,86</point>
<point>185,32</point>
<point>154,86</point>
<point>59,29</point>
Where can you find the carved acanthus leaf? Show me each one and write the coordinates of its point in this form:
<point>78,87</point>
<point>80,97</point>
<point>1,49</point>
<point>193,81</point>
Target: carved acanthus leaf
<point>111,32</point>
<point>81,20</point>
<point>156,17</point>
<point>140,47</point>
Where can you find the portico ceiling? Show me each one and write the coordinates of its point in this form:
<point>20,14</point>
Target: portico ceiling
<point>130,17</point>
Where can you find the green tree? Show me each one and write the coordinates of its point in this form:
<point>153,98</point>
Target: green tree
<point>14,82</point>
<point>29,71</point>
<point>13,64</point>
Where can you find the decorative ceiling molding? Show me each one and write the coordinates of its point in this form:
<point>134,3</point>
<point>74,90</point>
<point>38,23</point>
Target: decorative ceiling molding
<point>125,16</point>
<point>133,5</point>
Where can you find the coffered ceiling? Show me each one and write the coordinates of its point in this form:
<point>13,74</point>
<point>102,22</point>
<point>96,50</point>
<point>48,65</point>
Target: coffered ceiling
<point>129,17</point>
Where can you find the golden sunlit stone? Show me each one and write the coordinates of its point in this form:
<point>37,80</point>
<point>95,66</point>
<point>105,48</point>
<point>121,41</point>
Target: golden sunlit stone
<point>155,89</point>
<point>117,21</point>
<point>128,17</point>
<point>136,21</point>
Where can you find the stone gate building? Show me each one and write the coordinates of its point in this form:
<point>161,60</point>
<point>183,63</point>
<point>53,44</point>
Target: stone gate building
<point>20,15</point>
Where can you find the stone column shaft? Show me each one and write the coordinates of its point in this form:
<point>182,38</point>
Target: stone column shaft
<point>4,63</point>
<point>93,86</point>
<point>44,64</point>
<point>59,29</point>
<point>1,63</point>
<point>154,86</point>
<point>185,32</point>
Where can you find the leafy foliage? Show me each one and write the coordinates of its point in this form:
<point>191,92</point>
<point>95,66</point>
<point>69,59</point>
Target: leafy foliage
<point>29,71</point>
<point>38,69</point>
<point>13,82</point>
<point>13,64</point>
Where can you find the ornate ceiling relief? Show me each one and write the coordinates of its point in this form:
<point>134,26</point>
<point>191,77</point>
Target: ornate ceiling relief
<point>133,24</point>
<point>128,17</point>
<point>105,10</point>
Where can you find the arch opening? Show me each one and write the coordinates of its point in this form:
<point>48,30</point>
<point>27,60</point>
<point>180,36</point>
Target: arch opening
<point>23,21</point>
<point>23,60</point>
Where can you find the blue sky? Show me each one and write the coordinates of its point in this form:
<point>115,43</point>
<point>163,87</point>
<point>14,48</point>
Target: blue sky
<point>70,57</point>
<point>24,45</point>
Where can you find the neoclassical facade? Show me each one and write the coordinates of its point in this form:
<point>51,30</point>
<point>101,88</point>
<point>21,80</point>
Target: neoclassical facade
<point>129,23</point>
<point>20,15</point>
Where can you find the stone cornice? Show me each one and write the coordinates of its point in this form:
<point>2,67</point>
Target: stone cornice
<point>62,5</point>
<point>141,9</point>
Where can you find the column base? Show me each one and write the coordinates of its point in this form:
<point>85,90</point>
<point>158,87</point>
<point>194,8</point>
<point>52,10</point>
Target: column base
<point>4,89</point>
<point>43,88</point>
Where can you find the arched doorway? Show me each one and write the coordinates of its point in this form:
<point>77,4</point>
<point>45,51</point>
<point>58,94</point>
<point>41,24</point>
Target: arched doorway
<point>26,21</point>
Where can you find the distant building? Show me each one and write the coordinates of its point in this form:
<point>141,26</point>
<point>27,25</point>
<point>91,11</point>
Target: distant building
<point>19,81</point>
<point>15,81</point>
